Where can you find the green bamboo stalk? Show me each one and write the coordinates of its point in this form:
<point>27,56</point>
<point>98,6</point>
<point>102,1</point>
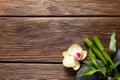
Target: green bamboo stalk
<point>95,50</point>
<point>89,64</point>
<point>93,58</point>
<point>102,49</point>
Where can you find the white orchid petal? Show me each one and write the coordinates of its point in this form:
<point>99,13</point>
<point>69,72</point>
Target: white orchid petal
<point>73,49</point>
<point>69,61</point>
<point>65,54</point>
<point>77,65</point>
<point>84,54</point>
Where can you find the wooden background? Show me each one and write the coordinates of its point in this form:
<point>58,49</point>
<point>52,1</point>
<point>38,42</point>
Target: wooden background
<point>34,33</point>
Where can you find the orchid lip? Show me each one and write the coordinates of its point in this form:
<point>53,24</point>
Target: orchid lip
<point>79,56</point>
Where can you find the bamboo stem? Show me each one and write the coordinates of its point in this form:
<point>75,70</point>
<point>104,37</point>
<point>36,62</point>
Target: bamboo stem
<point>102,49</point>
<point>95,50</point>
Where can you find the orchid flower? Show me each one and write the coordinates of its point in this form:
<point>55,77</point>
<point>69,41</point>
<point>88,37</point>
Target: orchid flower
<point>73,55</point>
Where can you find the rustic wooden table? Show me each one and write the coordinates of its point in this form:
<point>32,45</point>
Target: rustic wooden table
<point>34,33</point>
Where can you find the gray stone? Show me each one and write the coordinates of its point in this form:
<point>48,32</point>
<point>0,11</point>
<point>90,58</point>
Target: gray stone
<point>84,68</point>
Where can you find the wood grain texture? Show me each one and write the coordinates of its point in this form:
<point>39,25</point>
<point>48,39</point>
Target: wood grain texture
<point>59,7</point>
<point>44,39</point>
<point>21,71</point>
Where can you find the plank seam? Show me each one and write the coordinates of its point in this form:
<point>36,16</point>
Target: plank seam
<point>64,16</point>
<point>31,62</point>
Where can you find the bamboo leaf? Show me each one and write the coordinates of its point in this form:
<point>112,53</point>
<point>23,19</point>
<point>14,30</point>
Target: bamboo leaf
<point>103,71</point>
<point>88,73</point>
<point>112,46</point>
<point>117,76</point>
<point>91,72</point>
<point>115,65</point>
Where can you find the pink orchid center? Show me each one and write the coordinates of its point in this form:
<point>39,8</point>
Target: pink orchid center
<point>79,56</point>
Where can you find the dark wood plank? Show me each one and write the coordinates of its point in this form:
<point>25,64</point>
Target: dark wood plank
<point>59,7</point>
<point>44,39</point>
<point>21,71</point>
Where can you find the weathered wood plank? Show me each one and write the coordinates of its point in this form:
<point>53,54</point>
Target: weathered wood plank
<point>59,7</point>
<point>21,71</point>
<point>44,39</point>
